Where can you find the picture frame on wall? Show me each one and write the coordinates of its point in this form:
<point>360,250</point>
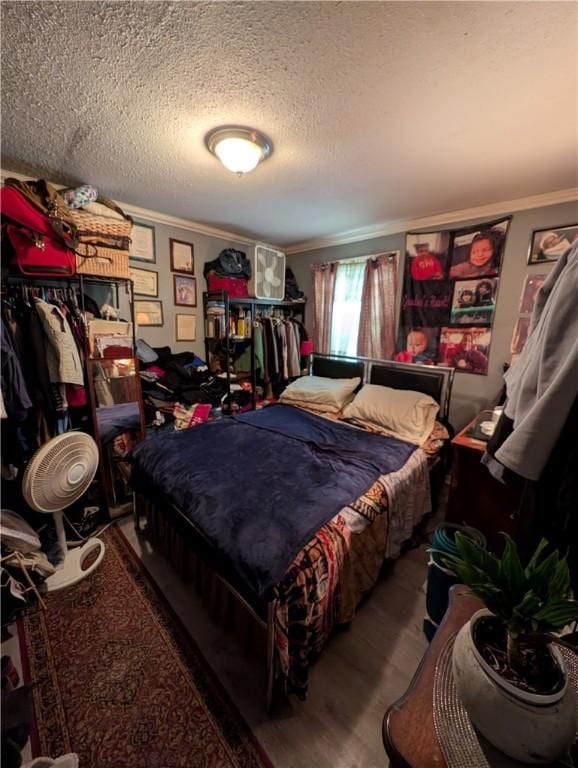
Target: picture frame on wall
<point>532,285</point>
<point>185,327</point>
<point>551,243</point>
<point>185,290</point>
<point>182,256</point>
<point>145,281</point>
<point>149,313</point>
<point>142,247</point>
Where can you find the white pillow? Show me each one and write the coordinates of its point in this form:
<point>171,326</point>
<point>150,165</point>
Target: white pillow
<point>332,393</point>
<point>400,413</point>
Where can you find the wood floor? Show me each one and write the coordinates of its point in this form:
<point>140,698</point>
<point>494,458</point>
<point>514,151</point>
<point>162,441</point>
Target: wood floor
<point>361,671</point>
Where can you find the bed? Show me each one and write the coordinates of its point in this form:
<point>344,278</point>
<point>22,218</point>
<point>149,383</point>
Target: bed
<point>359,495</point>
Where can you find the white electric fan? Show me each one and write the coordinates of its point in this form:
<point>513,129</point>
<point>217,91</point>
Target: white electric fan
<point>267,273</point>
<point>57,476</point>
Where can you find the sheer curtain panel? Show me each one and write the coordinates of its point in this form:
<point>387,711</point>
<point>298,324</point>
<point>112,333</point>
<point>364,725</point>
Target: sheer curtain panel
<point>323,293</point>
<point>347,307</point>
<point>377,322</point>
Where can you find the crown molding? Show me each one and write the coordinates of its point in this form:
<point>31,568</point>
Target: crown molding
<point>405,225</point>
<point>163,218</point>
<point>349,236</point>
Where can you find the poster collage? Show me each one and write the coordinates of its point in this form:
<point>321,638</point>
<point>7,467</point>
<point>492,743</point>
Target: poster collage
<point>449,296</point>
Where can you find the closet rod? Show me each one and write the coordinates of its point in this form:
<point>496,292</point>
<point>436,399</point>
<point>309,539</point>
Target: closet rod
<point>95,279</point>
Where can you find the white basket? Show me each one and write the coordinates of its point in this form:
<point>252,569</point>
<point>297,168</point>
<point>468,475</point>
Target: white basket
<point>267,273</point>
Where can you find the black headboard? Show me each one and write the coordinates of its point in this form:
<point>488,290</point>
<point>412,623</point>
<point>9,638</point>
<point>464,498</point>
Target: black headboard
<point>332,368</point>
<point>434,381</point>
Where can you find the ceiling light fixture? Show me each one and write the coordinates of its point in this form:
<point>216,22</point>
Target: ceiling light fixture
<point>239,149</point>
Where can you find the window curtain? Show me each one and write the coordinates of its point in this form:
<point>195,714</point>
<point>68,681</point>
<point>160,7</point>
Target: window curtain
<point>346,308</point>
<point>323,293</point>
<point>377,322</point>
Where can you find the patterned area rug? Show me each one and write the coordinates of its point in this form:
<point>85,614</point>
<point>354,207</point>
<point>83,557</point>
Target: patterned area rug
<point>121,682</point>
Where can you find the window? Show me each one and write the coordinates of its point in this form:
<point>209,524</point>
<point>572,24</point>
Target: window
<point>354,306</point>
<point>347,308</point>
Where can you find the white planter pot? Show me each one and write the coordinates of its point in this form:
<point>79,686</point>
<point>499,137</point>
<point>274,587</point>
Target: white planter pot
<point>528,727</point>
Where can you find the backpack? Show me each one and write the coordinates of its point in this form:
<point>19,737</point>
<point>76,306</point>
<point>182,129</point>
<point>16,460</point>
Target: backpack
<point>229,263</point>
<point>292,291</point>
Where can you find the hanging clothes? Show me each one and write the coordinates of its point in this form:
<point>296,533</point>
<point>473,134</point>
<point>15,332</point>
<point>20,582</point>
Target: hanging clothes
<point>19,435</point>
<point>542,385</point>
<point>44,333</point>
<point>293,358</point>
<point>63,358</point>
<point>15,393</point>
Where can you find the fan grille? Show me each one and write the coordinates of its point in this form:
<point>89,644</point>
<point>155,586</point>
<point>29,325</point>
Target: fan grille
<point>269,277</point>
<point>60,472</point>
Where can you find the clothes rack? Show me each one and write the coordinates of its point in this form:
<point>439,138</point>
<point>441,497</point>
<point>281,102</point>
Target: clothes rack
<point>258,308</point>
<point>80,281</point>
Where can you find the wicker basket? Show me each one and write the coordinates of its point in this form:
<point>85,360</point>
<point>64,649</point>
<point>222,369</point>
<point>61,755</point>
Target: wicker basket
<point>107,262</point>
<point>102,230</point>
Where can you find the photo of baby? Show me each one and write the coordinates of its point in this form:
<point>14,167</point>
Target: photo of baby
<point>427,255</point>
<point>417,345</point>
<point>550,244</point>
<point>474,301</point>
<point>478,253</point>
<point>465,349</point>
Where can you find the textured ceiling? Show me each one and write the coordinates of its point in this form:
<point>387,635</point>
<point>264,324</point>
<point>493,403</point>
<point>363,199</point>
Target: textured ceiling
<point>377,111</point>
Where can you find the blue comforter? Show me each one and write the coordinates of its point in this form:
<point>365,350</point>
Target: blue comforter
<point>260,485</point>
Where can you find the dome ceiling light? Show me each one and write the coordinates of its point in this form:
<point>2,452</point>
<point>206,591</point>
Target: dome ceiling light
<point>240,150</point>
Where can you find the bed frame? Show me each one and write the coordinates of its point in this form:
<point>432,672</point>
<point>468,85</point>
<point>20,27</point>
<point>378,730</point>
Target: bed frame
<point>434,381</point>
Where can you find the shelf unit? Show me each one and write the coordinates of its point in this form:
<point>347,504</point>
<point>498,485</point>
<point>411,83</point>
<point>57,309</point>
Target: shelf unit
<point>249,304</point>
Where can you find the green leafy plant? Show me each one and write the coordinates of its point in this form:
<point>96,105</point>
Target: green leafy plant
<point>532,602</point>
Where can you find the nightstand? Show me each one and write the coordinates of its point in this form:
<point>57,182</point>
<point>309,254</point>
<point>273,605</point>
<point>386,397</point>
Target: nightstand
<point>476,497</point>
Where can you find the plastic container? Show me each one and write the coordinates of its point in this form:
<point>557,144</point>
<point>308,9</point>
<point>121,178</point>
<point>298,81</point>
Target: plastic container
<point>440,578</point>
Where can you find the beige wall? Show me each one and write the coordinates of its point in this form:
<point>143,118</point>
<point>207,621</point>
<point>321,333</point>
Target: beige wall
<point>471,393</point>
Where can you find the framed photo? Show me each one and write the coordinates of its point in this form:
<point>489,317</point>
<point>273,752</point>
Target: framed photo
<point>142,247</point>
<point>145,281</point>
<point>185,291</point>
<point>427,255</point>
<point>182,256</point>
<point>186,327</point>
<point>148,313</point>
<point>417,345</point>
<point>478,251</point>
<point>474,301</point>
<point>529,292</point>
<point>549,244</point>
<point>465,349</point>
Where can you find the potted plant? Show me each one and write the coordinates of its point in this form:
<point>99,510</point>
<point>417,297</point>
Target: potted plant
<point>509,672</point>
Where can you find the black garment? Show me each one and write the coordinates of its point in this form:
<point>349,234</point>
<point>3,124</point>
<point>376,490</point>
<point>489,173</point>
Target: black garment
<point>14,390</point>
<point>19,433</point>
<point>271,342</point>
<point>549,507</point>
<point>36,366</point>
